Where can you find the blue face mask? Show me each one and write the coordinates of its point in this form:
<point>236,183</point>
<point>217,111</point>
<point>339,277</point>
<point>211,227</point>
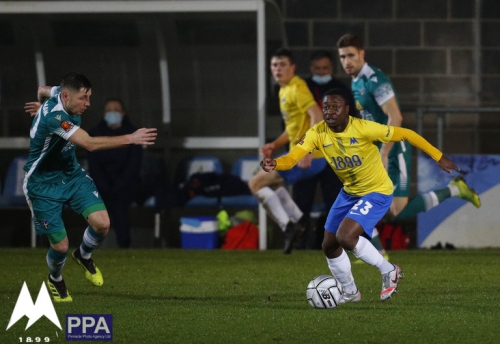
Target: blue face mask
<point>321,79</point>
<point>113,118</point>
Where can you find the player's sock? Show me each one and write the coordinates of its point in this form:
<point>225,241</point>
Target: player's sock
<point>365,251</point>
<point>91,240</point>
<point>426,201</point>
<point>291,208</point>
<point>55,262</point>
<point>272,204</point>
<point>375,240</point>
<point>340,268</point>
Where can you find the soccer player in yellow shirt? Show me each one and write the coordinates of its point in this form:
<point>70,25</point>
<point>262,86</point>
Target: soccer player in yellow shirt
<point>348,145</point>
<point>300,112</point>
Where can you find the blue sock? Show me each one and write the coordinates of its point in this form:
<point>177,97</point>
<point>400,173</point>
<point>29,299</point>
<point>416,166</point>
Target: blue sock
<point>91,240</point>
<point>55,261</point>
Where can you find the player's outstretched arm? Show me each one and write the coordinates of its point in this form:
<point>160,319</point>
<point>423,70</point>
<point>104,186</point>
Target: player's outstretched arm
<point>143,136</point>
<point>418,141</point>
<point>284,162</point>
<point>403,134</point>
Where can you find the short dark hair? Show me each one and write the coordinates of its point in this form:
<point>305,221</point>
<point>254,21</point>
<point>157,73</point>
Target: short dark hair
<point>75,82</point>
<point>350,40</point>
<point>284,52</point>
<point>345,97</point>
<point>337,92</point>
<point>321,54</point>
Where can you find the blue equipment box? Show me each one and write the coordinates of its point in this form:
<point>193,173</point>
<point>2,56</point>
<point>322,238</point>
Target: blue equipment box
<point>199,232</point>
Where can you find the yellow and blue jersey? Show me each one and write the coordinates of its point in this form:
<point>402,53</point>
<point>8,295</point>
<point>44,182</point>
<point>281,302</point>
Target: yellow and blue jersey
<point>353,153</point>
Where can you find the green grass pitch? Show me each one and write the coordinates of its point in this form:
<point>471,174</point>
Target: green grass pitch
<point>216,296</point>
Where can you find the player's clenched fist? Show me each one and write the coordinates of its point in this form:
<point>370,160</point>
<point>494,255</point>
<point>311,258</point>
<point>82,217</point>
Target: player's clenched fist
<point>268,164</point>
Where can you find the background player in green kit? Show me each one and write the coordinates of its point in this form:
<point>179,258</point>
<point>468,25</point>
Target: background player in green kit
<point>54,178</point>
<point>376,100</point>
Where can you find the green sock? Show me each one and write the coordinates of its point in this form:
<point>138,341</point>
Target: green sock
<point>91,240</point>
<point>424,202</point>
<point>442,194</point>
<point>55,262</point>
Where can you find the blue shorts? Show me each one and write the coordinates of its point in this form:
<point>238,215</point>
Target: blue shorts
<point>366,210</point>
<point>295,174</point>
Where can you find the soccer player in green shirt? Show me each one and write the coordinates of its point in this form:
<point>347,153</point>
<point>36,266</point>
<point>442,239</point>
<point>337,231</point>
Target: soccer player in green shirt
<point>54,178</point>
<point>377,101</point>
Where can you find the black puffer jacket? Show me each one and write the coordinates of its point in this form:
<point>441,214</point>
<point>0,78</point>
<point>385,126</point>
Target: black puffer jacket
<point>115,171</point>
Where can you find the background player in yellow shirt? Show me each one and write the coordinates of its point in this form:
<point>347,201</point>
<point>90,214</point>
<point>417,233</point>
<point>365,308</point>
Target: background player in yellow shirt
<point>300,112</point>
<point>347,143</point>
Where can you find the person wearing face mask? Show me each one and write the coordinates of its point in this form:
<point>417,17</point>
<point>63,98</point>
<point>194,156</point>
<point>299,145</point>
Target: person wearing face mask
<point>304,191</point>
<point>116,172</point>
<point>321,79</point>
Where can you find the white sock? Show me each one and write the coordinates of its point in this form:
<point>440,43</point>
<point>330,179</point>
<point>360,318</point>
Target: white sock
<point>431,200</point>
<point>272,204</point>
<point>85,255</point>
<point>340,268</point>
<point>365,251</point>
<point>291,208</point>
<point>56,279</point>
<point>453,190</point>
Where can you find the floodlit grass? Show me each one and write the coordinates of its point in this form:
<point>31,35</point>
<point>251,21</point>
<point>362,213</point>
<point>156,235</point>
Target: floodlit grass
<point>216,296</point>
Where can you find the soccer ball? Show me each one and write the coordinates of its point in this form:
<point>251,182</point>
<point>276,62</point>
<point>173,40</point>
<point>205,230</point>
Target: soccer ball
<point>324,291</point>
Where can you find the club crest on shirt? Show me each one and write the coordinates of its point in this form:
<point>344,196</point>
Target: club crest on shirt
<point>43,222</point>
<point>67,126</point>
<point>68,146</point>
<point>301,142</point>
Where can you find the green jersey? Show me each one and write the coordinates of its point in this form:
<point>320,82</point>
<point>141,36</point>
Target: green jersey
<point>52,157</point>
<point>371,89</point>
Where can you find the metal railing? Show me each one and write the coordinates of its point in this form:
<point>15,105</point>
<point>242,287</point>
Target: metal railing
<point>441,112</point>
